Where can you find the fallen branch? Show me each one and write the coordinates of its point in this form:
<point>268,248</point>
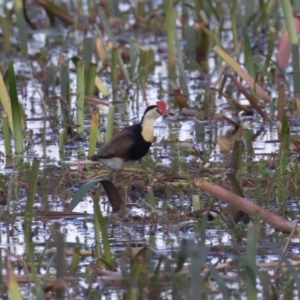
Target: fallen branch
<point>244,205</point>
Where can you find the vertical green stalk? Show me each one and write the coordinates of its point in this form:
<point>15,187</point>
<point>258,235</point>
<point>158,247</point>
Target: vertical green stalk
<point>196,202</point>
<point>237,162</point>
<point>248,136</point>
<point>6,33</point>
<point>289,22</point>
<point>146,57</point>
<point>65,91</point>
<point>113,40</point>
<point>180,65</point>
<point>65,80</point>
<point>5,101</point>
<point>103,228</point>
<point>6,135</point>
<point>2,285</point>
<point>22,26</point>
<point>98,254</point>
<point>87,50</point>
<point>140,9</point>
<point>249,60</point>
<point>60,262</point>
<point>271,43</point>
<point>233,22</point>
<point>74,265</point>
<point>280,102</point>
<point>296,4</point>
<point>97,238</point>
<point>33,178</point>
<point>61,140</point>
<point>90,80</point>
<point>170,22</point>
<point>80,96</point>
<point>150,196</point>
<point>250,259</point>
<point>114,72</point>
<point>110,123</point>
<point>30,249</point>
<point>93,132</point>
<point>16,111</point>
<point>296,68</point>
<point>12,284</point>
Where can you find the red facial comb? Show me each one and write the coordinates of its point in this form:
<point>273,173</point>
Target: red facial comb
<point>162,107</point>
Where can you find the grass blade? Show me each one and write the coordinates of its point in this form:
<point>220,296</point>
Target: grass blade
<point>59,240</point>
<point>87,50</point>
<point>93,132</point>
<point>5,23</point>
<point>219,281</point>
<point>250,262</point>
<point>114,72</point>
<point>90,80</point>
<point>110,123</point>
<point>80,95</point>
<point>249,60</point>
<point>33,179</point>
<point>293,36</point>
<point>101,87</point>
<point>103,228</point>
<point>22,26</point>
<point>16,110</point>
<point>6,135</point>
<point>12,284</point>
<point>170,27</point>
<point>5,101</point>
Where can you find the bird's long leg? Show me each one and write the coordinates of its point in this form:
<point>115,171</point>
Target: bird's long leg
<point>115,176</point>
<point>108,177</point>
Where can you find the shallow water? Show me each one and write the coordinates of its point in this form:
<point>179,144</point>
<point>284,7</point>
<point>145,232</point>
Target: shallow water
<point>80,229</point>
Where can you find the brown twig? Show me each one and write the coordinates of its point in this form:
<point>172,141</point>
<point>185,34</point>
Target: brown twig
<point>252,101</point>
<point>244,205</point>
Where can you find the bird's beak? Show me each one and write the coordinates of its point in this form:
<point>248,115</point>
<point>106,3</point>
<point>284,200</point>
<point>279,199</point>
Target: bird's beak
<point>164,112</point>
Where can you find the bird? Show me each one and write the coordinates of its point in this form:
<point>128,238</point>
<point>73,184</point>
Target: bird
<point>131,143</point>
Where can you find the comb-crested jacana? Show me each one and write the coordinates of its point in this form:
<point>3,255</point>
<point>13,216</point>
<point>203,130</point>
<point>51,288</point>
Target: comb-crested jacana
<point>133,142</point>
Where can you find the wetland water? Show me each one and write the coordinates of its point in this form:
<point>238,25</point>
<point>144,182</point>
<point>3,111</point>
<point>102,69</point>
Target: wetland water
<point>160,223</point>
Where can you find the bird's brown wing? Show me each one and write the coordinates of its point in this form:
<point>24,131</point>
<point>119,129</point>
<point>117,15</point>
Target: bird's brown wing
<point>119,145</point>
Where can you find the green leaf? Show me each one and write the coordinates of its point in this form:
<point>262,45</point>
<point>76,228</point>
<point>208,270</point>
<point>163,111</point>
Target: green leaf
<point>22,26</point>
<point>250,262</point>
<point>15,107</point>
<point>223,287</point>
<point>87,50</point>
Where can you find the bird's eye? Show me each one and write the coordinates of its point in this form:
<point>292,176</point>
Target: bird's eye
<point>158,111</point>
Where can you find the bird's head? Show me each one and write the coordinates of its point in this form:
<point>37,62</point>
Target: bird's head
<point>155,111</point>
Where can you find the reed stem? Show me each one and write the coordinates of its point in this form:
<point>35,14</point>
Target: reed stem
<point>6,33</point>
<point>170,27</point>
<point>114,73</point>
<point>80,96</point>
<point>6,134</point>
<point>110,123</point>
<point>290,26</point>
<point>93,132</point>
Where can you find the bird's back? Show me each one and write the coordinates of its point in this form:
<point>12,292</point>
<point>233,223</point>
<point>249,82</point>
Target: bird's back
<point>127,144</point>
